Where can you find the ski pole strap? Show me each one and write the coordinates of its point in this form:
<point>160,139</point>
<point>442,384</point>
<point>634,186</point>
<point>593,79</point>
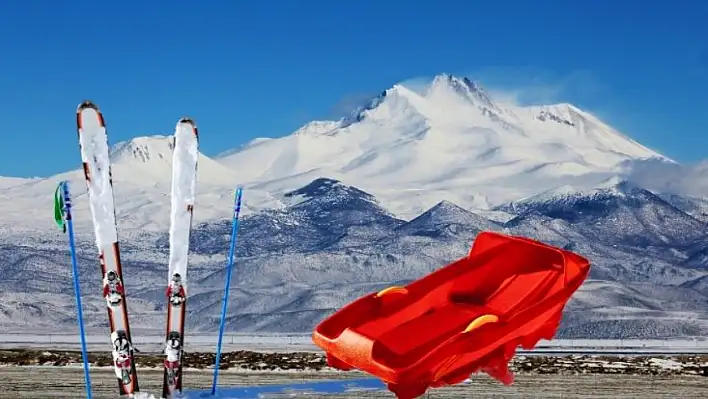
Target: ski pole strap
<point>59,208</point>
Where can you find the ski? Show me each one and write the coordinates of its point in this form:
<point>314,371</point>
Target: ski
<point>184,179</point>
<point>93,143</point>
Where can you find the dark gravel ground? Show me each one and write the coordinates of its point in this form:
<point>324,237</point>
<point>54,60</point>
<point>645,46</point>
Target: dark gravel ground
<point>309,362</point>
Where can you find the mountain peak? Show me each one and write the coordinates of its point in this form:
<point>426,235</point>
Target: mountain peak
<point>327,187</point>
<point>324,197</point>
<point>446,211</point>
<point>402,99</point>
<point>148,159</point>
<point>446,206</point>
<point>568,114</point>
<point>559,113</point>
<point>361,112</point>
<point>572,203</point>
<point>457,82</point>
<point>612,187</point>
<point>570,123</point>
<point>463,87</point>
<point>144,149</point>
<point>445,218</point>
<point>317,128</point>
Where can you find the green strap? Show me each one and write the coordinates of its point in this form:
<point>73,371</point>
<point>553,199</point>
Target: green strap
<point>59,208</point>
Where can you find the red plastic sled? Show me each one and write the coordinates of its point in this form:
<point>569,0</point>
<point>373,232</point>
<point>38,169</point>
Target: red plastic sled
<point>465,317</point>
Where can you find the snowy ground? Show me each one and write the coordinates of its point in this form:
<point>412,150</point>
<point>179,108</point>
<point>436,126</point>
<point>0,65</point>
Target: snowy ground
<point>303,343</point>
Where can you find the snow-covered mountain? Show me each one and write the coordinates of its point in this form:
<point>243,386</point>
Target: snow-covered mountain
<point>299,263</point>
<point>142,179</point>
<point>449,140</point>
<point>397,188</point>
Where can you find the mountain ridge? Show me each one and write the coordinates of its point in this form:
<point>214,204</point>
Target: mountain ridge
<point>299,259</point>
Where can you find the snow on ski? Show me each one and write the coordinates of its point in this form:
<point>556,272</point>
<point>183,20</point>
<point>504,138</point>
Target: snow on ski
<point>93,142</point>
<point>184,179</point>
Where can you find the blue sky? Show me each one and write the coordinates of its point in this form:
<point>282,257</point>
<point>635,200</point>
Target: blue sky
<point>246,69</point>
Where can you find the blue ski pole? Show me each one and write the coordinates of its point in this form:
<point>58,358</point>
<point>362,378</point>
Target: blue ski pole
<point>229,266</point>
<point>62,203</point>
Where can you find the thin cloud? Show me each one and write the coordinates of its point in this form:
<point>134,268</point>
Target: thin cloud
<point>349,103</point>
<point>417,84</point>
<point>513,86</point>
<point>533,86</point>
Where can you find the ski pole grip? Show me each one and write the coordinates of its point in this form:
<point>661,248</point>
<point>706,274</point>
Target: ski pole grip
<point>65,194</point>
<point>239,195</point>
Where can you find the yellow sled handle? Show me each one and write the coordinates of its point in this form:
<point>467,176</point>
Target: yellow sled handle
<point>480,321</point>
<point>396,289</point>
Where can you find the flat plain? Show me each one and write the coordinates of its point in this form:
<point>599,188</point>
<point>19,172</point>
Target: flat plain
<point>67,382</point>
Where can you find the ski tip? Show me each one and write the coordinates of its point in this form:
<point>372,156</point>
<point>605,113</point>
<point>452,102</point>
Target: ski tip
<point>88,104</point>
<point>85,105</point>
<point>187,120</point>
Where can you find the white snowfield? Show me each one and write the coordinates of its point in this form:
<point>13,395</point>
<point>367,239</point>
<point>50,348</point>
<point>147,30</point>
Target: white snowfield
<point>410,148</point>
<point>303,342</point>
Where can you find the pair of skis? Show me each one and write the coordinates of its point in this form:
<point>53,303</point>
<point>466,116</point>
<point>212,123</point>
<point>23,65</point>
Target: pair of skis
<point>93,143</point>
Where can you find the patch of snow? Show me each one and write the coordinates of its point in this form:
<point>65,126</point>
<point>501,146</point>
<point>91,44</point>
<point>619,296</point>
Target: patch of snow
<point>668,364</point>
